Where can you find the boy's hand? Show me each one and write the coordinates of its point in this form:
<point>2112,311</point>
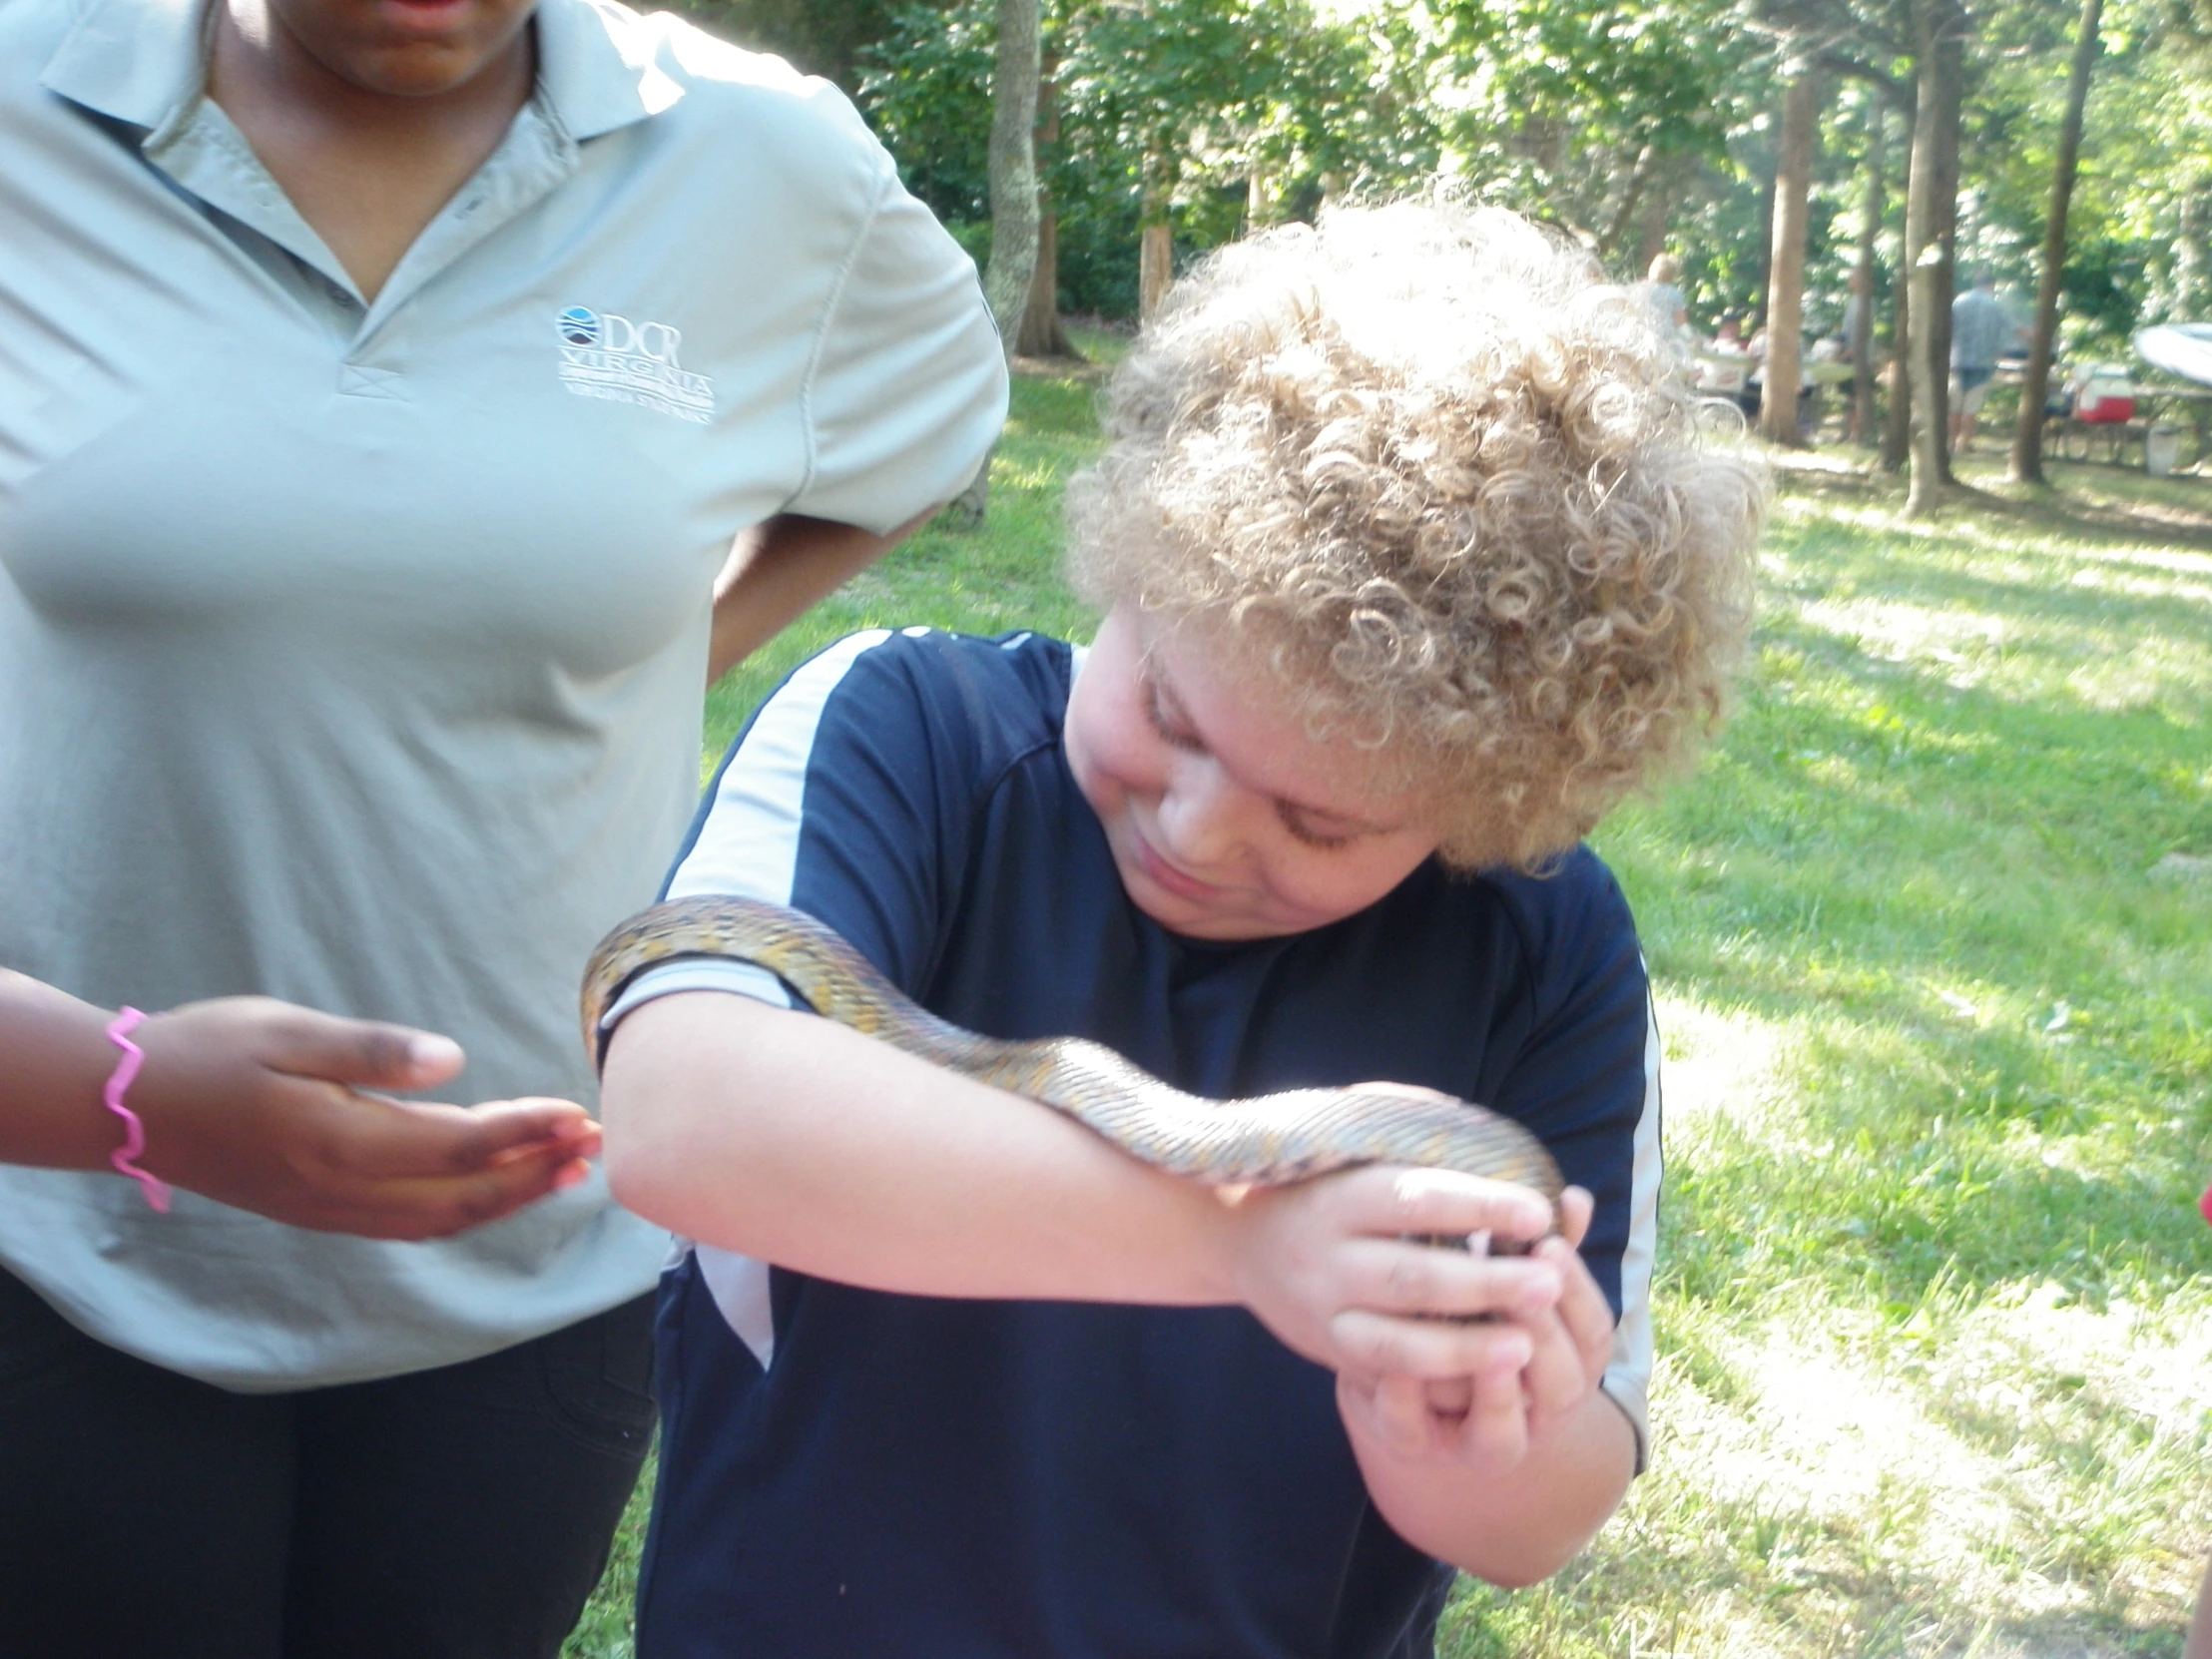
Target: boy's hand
<point>264,1105</point>
<point>1334,1268</point>
<point>1491,1417</point>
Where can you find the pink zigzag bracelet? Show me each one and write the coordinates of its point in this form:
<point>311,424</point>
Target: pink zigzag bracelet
<point>134,1132</point>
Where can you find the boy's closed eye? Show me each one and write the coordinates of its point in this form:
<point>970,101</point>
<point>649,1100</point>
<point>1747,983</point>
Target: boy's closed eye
<point>1175,730</point>
<point>1318,829</point>
<point>1314,827</point>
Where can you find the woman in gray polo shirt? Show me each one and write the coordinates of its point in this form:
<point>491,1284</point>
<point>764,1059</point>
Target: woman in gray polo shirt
<point>384,387</point>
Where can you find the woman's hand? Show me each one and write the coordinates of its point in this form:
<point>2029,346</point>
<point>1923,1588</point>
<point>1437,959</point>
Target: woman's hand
<point>267,1106</point>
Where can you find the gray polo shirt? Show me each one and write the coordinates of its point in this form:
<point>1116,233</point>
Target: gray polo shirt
<point>352,653</point>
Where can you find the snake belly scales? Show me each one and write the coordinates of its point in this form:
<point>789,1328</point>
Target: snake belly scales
<point>1266,1140</point>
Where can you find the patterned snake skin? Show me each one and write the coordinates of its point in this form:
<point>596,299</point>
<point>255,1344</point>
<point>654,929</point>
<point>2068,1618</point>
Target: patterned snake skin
<point>1265,1141</point>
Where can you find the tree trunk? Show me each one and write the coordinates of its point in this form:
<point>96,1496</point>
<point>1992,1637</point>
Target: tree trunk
<point>1861,341</point>
<point>1930,219</point>
<point>2193,252</point>
<point>1792,175</point>
<point>1897,424</point>
<point>1041,334</point>
<point>1896,418</point>
<point>1625,215</point>
<point>1654,239</point>
<point>1259,201</point>
<point>1014,262</point>
<point>1155,266</point>
<point>2027,436</point>
<point>1947,218</point>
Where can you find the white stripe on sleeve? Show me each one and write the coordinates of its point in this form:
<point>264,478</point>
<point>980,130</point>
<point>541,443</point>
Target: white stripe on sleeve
<point>749,846</point>
<point>1628,1378</point>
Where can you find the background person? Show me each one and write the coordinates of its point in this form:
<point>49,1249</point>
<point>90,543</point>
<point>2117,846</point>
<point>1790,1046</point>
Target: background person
<point>1980,333</point>
<point>388,386</point>
<point>1662,291</point>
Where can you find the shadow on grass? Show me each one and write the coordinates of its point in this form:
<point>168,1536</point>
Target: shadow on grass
<point>2081,502</point>
<point>1873,571</point>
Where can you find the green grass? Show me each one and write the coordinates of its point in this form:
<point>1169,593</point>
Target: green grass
<point>1931,936</point>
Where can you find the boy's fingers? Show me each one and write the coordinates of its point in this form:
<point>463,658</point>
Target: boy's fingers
<point>1392,1201</point>
<point>1409,1277</point>
<point>1400,1412</point>
<point>1498,1424</point>
<point>1555,1379</point>
<point>1449,1396</point>
<point>1379,1344</point>
<point>1576,1206</point>
<point>1584,1309</point>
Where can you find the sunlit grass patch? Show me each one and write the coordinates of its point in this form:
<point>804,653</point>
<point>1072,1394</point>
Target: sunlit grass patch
<point>1933,1356</point>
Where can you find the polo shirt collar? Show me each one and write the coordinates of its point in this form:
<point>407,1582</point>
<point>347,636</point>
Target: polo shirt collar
<point>144,62</point>
<point>139,61</point>
<point>598,67</point>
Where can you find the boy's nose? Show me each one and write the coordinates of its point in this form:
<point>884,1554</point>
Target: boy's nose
<point>1199,817</point>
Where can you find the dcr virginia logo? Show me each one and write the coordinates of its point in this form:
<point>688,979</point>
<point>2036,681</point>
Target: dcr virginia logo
<point>609,357</point>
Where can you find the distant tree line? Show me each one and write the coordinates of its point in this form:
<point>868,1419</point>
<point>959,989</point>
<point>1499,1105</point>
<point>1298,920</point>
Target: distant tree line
<point>1776,146</point>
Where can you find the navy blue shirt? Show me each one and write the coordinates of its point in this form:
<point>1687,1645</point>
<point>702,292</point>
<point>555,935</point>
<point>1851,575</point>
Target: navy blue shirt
<point>845,1471</point>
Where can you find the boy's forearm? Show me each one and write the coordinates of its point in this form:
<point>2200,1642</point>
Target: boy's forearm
<point>1513,1530</point>
<point>791,1139</point>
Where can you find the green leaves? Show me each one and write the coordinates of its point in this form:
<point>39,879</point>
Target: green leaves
<point>1166,107</point>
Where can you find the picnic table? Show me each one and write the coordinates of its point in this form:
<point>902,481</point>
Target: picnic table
<point>2185,409</point>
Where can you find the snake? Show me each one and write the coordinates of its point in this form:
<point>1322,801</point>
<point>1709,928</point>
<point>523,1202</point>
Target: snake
<point>1265,1140</point>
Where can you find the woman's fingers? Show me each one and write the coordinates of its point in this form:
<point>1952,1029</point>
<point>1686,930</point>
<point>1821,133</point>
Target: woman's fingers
<point>271,1108</point>
<point>369,1138</point>
<point>364,1054</point>
<point>435,1207</point>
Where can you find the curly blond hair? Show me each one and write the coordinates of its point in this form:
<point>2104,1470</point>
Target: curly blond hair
<point>1445,483</point>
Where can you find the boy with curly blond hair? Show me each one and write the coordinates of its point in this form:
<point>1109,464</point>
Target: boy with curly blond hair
<point>1412,563</point>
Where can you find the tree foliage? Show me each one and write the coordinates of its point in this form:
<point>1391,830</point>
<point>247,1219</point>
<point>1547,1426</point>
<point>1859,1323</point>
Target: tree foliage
<point>1631,124</point>
<point>1192,99</point>
<point>1564,107</point>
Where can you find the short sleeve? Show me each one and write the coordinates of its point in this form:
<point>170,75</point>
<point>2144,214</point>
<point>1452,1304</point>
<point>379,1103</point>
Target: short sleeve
<point>1586,1080</point>
<point>907,387</point>
<point>848,797</point>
